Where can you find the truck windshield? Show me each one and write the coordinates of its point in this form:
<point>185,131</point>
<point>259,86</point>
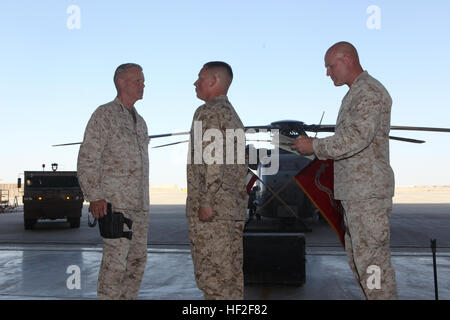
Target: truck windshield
<point>51,182</point>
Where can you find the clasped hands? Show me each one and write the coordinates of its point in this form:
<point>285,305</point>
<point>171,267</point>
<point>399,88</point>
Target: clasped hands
<point>206,214</point>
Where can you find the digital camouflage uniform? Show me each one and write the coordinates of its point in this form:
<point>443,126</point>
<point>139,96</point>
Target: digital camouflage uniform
<point>364,180</point>
<point>216,246</point>
<point>113,165</point>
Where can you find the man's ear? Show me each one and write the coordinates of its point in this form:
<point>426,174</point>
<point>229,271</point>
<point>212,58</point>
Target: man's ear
<point>119,82</point>
<point>348,59</point>
<point>213,80</point>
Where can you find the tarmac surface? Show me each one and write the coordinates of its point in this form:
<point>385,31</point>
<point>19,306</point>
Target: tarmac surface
<point>53,262</point>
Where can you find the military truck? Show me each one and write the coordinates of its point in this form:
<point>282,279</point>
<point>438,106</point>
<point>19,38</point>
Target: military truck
<point>51,195</point>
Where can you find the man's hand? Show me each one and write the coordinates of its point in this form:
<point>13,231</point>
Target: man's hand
<point>303,145</point>
<point>98,208</point>
<point>206,214</point>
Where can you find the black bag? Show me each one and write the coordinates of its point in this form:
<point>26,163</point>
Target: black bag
<point>111,225</point>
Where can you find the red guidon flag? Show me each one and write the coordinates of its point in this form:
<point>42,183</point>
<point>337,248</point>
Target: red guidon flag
<point>317,182</point>
<point>251,179</point>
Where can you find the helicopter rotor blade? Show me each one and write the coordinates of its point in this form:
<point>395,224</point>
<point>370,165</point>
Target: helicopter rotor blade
<point>312,128</point>
<point>269,127</point>
<point>420,128</point>
<point>331,128</point>
<point>406,139</point>
<point>320,127</point>
<point>150,137</point>
<point>168,135</point>
<point>66,144</point>
<point>170,144</point>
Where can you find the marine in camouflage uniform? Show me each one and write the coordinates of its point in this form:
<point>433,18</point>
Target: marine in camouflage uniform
<point>363,178</point>
<point>113,165</point>
<point>216,244</point>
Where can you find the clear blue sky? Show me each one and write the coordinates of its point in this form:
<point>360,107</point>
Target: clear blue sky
<point>54,77</point>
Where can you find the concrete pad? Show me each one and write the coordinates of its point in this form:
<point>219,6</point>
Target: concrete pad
<point>44,273</point>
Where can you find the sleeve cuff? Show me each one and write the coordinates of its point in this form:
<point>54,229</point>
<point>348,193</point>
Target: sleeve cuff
<point>316,143</point>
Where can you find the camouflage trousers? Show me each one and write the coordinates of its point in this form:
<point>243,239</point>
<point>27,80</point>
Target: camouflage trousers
<point>367,241</point>
<point>217,255</point>
<point>123,262</point>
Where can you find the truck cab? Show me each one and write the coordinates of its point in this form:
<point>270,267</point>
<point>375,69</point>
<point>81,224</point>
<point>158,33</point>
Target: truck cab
<point>52,195</point>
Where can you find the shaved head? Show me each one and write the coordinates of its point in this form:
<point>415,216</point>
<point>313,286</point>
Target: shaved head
<point>342,49</point>
<point>342,63</point>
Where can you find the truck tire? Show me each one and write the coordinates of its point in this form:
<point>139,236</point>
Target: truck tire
<point>29,223</point>
<point>74,222</point>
